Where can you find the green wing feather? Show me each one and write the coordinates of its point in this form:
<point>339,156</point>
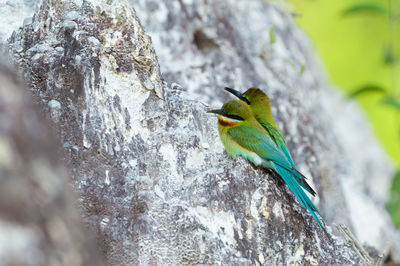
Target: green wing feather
<point>260,143</point>
<point>279,140</point>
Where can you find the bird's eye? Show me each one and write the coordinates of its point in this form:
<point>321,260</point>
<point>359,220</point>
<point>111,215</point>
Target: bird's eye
<point>236,117</point>
<point>243,98</point>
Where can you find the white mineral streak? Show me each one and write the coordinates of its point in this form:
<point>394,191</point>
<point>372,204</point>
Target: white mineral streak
<point>55,108</point>
<point>264,208</point>
<point>131,94</point>
<point>256,198</point>
<point>218,223</point>
<point>195,159</point>
<point>104,222</point>
<point>107,179</point>
<point>168,152</point>
<point>311,260</point>
<point>297,256</point>
<point>277,210</point>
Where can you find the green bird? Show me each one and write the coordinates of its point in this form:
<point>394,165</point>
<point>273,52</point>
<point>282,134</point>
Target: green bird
<point>242,135</point>
<point>260,106</point>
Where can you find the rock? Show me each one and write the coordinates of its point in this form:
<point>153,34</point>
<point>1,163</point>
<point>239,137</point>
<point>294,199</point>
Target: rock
<point>154,181</point>
<point>205,46</point>
<point>14,14</point>
<point>39,222</point>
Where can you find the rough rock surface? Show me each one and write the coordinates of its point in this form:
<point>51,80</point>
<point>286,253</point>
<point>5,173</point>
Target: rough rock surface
<point>15,13</point>
<point>207,45</point>
<point>39,223</point>
<point>153,179</point>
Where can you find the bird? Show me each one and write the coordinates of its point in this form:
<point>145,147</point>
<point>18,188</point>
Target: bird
<point>260,106</point>
<point>242,135</point>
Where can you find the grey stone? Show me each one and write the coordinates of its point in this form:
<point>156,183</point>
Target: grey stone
<point>39,221</point>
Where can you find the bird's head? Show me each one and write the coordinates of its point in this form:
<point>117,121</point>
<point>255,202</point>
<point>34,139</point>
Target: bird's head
<point>258,103</point>
<point>233,113</point>
<point>253,97</point>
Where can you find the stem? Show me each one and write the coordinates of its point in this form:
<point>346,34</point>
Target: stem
<point>392,38</point>
<point>394,64</point>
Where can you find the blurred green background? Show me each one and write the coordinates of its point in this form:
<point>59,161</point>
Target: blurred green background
<point>358,42</point>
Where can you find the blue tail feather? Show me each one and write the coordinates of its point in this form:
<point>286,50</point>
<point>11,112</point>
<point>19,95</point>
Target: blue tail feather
<point>291,181</point>
<point>301,179</point>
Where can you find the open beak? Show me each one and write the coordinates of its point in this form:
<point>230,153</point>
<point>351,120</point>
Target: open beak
<point>237,94</point>
<point>217,111</point>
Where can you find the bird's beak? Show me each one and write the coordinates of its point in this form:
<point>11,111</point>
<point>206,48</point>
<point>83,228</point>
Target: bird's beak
<point>234,92</point>
<point>237,94</point>
<point>217,111</point>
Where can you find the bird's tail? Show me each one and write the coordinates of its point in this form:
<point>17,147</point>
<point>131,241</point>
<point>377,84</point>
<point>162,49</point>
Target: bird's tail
<point>291,180</point>
<point>301,179</point>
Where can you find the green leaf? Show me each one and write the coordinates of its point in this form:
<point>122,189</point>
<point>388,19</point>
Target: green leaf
<point>373,8</point>
<point>391,102</point>
<point>272,36</point>
<point>366,89</point>
<point>302,69</point>
<point>389,56</point>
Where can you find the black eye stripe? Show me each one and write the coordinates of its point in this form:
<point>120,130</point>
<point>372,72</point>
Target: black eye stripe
<point>236,117</point>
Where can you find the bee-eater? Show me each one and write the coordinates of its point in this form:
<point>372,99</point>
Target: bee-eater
<point>260,106</point>
<point>242,135</point>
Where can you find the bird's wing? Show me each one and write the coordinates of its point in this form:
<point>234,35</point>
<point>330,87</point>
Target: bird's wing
<point>260,143</point>
<point>279,140</point>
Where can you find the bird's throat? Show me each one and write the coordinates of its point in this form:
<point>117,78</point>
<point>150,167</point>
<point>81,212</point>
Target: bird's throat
<point>227,122</point>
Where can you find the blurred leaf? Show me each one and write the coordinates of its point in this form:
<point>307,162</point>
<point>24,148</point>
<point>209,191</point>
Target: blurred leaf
<point>365,7</point>
<point>272,36</point>
<point>391,101</point>
<point>389,57</point>
<point>393,204</point>
<point>369,88</point>
<point>291,64</point>
<point>302,69</point>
